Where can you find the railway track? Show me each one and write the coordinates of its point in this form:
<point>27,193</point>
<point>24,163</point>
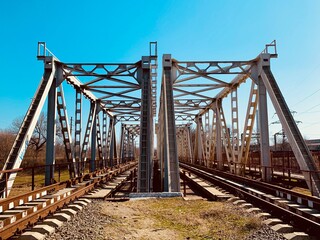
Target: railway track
<point>300,211</point>
<point>23,211</point>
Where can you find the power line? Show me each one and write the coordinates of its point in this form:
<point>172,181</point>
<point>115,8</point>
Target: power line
<point>308,75</point>
<point>307,97</point>
<point>310,109</point>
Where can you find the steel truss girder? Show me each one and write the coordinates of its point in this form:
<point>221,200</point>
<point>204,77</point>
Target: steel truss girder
<point>248,124</point>
<point>85,144</point>
<point>123,143</point>
<point>123,104</point>
<point>127,118</point>
<point>123,79</point>
<point>187,146</point>
<point>128,134</point>
<point>199,148</point>
<point>104,138</point>
<point>51,131</point>
<point>99,140</point>
<point>259,71</point>
<point>206,68</point>
<point>213,138</point>
<point>298,145</point>
<point>224,133</point>
<point>123,91</point>
<point>192,103</point>
<point>101,70</point>
<point>29,122</point>
<point>234,126</point>
<point>207,139</point>
<point>66,131</point>
<point>133,129</point>
<point>78,127</point>
<point>110,145</point>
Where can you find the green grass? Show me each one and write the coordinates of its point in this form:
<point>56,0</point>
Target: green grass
<point>202,220</point>
<point>196,219</point>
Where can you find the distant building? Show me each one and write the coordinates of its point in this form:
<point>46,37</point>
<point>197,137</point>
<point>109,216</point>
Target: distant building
<point>313,144</point>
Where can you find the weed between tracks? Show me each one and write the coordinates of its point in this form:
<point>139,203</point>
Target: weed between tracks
<point>178,219</point>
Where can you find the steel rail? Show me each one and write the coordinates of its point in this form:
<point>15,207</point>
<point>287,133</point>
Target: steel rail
<point>267,187</point>
<point>19,221</point>
<point>300,220</point>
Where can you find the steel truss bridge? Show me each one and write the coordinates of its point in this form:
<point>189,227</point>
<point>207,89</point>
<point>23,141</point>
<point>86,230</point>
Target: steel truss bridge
<point>193,93</point>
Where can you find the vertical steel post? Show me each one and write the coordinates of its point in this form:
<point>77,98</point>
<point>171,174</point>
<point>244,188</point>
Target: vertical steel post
<point>128,145</point>
<point>235,129</point>
<point>189,145</point>
<point>213,138</point>
<point>113,150</point>
<point>207,139</point>
<point>170,159</point>
<point>87,135</point>
<point>146,128</point>
<point>132,147</point>
<point>264,132</point>
<point>77,131</point>
<point>218,138</point>
<point>122,143</point>
<point>51,133</point>
<point>104,138</point>
<point>109,146</point>
<point>263,125</point>
<point>93,142</point>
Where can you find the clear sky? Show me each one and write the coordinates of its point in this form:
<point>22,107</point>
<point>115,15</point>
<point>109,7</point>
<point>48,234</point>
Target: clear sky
<point>119,31</point>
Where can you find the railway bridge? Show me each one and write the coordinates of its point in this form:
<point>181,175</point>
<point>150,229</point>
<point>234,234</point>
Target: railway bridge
<point>196,119</point>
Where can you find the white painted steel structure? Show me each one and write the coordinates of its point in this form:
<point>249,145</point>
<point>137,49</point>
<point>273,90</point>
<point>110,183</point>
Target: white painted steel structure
<point>192,93</point>
<point>121,91</point>
<point>194,98</point>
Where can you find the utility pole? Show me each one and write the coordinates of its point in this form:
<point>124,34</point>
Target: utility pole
<point>281,132</point>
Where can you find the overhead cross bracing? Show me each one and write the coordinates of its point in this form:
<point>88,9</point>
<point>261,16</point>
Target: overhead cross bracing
<point>120,92</point>
<point>192,94</point>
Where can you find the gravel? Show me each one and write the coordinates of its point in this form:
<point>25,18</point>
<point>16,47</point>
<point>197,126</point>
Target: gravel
<point>90,222</point>
<point>265,233</point>
<point>86,224</point>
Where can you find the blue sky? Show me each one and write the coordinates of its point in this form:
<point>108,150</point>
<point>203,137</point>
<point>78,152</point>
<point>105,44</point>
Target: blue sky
<point>119,31</point>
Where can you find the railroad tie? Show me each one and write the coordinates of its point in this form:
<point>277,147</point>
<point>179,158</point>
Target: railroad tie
<point>32,236</point>
<point>296,236</point>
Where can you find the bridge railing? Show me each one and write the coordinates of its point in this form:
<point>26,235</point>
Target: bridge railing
<point>32,177</point>
<point>43,51</point>
<point>271,49</point>
<point>6,179</point>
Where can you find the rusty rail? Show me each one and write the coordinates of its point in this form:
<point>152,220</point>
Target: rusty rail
<point>19,221</point>
<point>297,218</point>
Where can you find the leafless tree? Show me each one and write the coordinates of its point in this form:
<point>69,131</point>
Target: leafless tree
<point>39,137</point>
<point>6,142</point>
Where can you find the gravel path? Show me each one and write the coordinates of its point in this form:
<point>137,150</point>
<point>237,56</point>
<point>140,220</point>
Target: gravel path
<point>90,223</point>
<point>86,224</point>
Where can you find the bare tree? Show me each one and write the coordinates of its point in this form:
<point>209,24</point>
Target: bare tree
<point>39,137</point>
<point>6,142</point>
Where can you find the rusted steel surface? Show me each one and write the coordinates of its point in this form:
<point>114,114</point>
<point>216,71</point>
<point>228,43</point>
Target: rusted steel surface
<point>303,220</point>
<point>30,215</point>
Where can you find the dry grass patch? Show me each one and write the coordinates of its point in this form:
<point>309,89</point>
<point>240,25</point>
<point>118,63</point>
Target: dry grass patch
<point>178,219</point>
<point>23,181</point>
<point>302,191</point>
